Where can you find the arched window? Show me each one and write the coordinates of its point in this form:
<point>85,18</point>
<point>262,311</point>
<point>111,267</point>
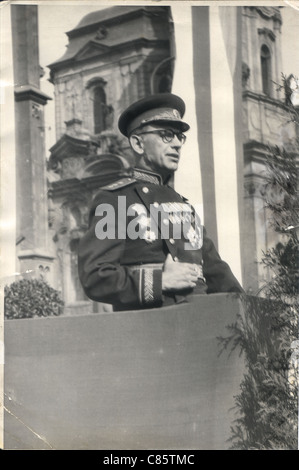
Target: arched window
<point>99,109</point>
<point>266,70</point>
<point>162,75</point>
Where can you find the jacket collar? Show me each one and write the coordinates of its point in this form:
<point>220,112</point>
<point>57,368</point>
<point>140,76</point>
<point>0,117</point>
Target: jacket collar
<point>147,176</point>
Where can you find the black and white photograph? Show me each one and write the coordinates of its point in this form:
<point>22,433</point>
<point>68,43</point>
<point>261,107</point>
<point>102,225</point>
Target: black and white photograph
<point>149,227</point>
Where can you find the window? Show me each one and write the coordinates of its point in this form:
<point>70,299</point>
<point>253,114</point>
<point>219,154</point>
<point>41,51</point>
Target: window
<point>266,70</point>
<point>99,109</point>
<point>162,75</point>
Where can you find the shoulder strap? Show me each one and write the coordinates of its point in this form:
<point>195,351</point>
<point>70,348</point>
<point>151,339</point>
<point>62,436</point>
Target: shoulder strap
<point>121,183</point>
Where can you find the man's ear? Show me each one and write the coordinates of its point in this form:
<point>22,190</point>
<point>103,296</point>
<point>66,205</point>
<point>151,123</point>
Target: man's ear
<point>136,143</point>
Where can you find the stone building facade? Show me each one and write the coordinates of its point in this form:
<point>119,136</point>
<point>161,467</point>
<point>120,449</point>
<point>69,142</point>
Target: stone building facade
<point>266,123</point>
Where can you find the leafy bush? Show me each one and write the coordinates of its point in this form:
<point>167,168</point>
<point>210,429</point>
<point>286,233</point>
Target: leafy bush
<point>29,298</point>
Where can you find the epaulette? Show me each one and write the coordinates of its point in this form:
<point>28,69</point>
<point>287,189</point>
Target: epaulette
<point>184,198</point>
<point>121,183</point>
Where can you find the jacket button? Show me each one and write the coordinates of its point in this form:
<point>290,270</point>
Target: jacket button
<point>175,258</point>
<point>145,189</point>
<point>171,240</point>
<point>165,221</point>
<point>156,204</point>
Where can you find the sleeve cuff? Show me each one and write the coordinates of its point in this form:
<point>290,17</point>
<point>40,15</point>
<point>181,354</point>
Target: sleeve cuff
<point>150,287</point>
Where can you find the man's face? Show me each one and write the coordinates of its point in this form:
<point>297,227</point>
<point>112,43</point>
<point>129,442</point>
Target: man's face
<point>159,155</point>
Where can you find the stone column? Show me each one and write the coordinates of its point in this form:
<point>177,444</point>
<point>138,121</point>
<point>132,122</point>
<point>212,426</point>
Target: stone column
<point>31,199</point>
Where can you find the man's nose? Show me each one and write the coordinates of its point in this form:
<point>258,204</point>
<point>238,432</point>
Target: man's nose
<point>176,142</point>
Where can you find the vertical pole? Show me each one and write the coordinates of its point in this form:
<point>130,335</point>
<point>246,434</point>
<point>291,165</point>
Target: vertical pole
<point>188,176</point>
<point>225,39</point>
<point>202,79</point>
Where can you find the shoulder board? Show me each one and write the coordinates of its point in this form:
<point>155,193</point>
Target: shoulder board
<point>185,199</point>
<point>123,182</point>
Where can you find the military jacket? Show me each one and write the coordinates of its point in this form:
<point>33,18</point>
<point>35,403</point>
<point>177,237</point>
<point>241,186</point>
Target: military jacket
<point>134,223</point>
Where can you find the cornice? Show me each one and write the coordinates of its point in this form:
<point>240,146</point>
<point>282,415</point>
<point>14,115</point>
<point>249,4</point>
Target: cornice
<point>255,151</point>
<point>29,92</point>
<point>68,145</point>
<point>63,188</point>
<point>269,12</point>
<point>36,255</point>
<point>117,19</point>
<point>265,99</point>
<point>258,152</point>
<point>104,52</point>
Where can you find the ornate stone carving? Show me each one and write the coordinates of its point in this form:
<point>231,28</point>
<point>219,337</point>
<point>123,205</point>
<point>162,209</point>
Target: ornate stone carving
<point>36,111</point>
<point>72,167</point>
<point>109,142</point>
<point>71,219</point>
<point>267,32</point>
<point>254,187</point>
<point>269,12</point>
<point>125,70</point>
<point>41,72</point>
<point>101,33</point>
<point>250,188</point>
<point>245,74</point>
<point>60,87</point>
<point>43,272</point>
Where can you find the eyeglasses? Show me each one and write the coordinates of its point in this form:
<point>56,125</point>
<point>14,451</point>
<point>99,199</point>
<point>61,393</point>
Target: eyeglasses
<point>167,135</point>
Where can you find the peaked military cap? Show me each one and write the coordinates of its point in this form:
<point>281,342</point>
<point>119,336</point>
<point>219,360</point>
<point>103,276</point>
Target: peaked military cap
<point>159,108</point>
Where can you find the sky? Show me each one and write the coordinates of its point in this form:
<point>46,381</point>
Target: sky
<point>55,19</point>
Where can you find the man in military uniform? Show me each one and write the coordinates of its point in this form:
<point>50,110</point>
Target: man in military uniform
<point>145,246</point>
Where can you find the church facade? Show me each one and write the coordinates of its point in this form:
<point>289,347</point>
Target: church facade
<point>266,123</point>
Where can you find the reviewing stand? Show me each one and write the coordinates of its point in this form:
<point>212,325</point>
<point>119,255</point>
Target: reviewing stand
<point>148,379</point>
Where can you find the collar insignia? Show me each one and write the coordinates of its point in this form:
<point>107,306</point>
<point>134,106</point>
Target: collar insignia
<point>147,176</point>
